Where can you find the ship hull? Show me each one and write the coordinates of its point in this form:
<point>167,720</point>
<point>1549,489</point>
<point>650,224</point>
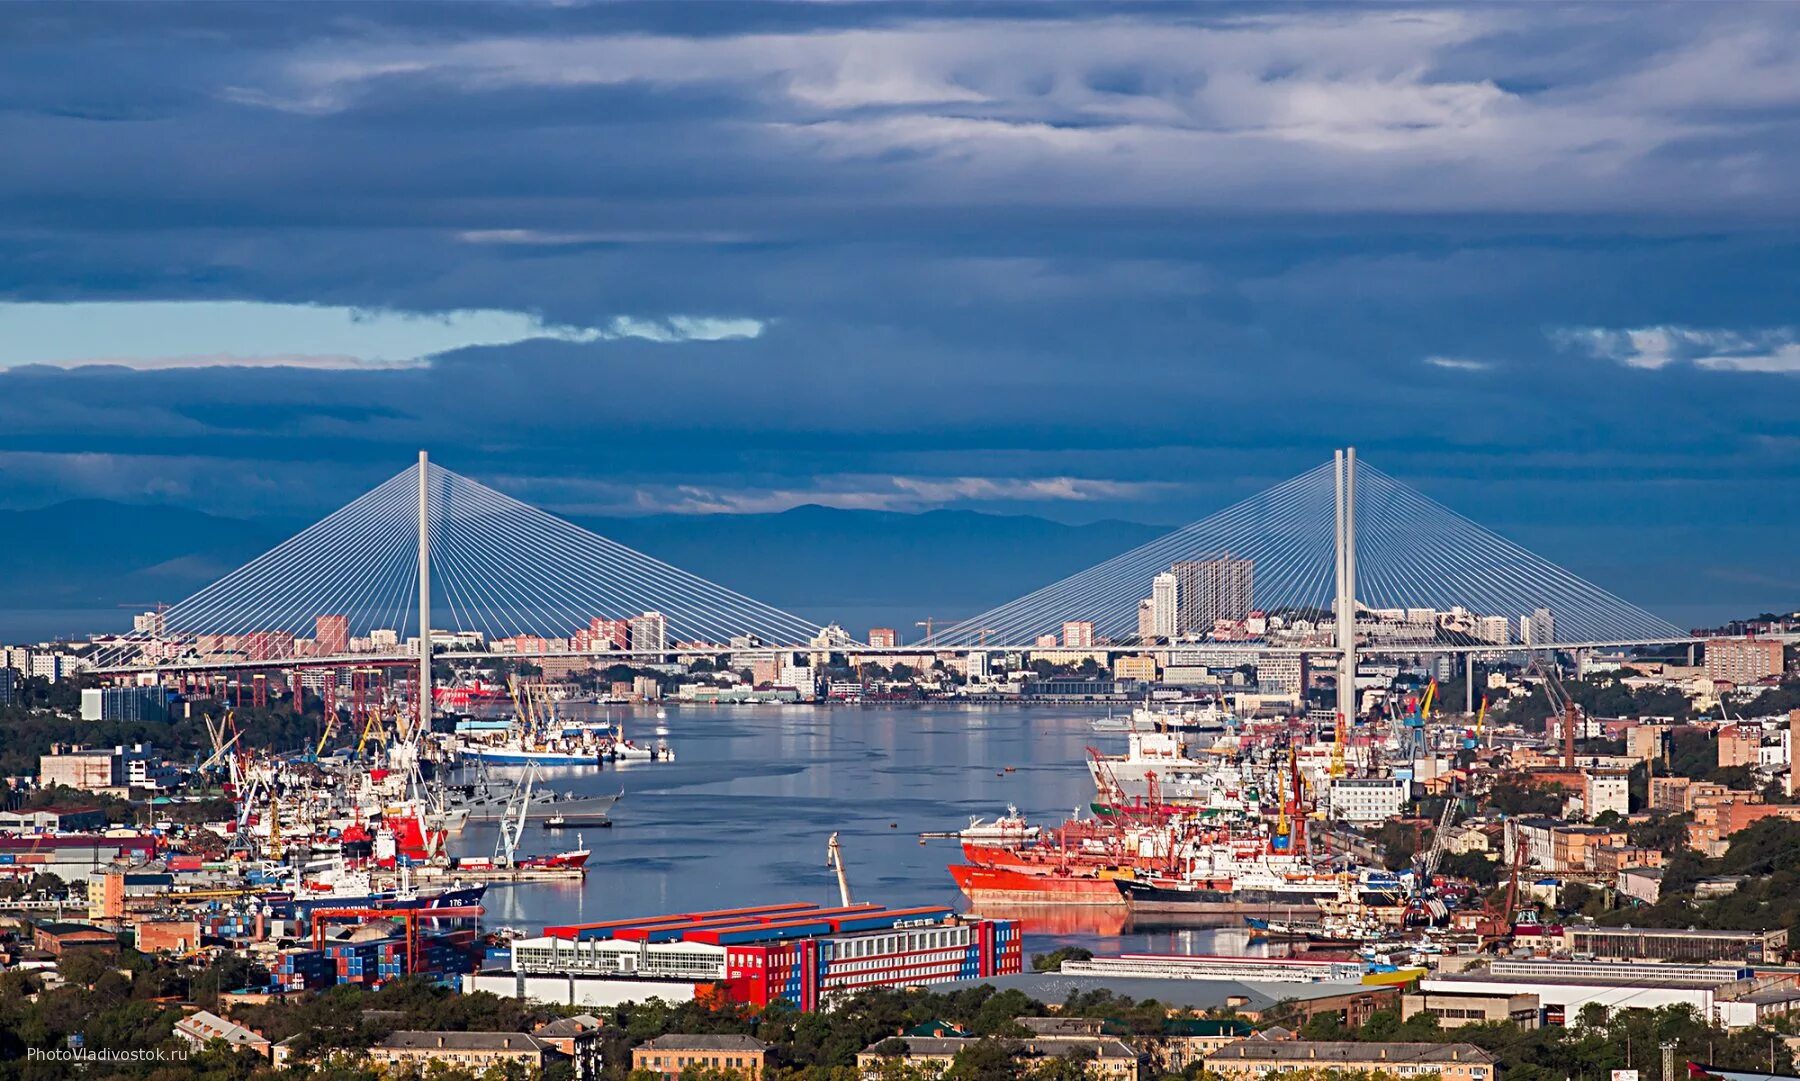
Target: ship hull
<point>1007,886</point>
<point>506,759</point>
<point>1177,900</point>
<point>493,807</point>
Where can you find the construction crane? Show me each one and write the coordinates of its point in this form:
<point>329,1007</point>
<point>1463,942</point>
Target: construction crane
<point>1417,745</point>
<point>929,623</point>
<point>834,860</point>
<point>1440,841</point>
<point>512,827</point>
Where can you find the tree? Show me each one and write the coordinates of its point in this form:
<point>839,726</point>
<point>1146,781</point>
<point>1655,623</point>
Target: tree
<point>983,1060</point>
<point>1053,961</point>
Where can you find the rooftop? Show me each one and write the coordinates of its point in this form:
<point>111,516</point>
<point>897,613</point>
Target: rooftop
<point>680,1041</point>
<point>1346,1051</point>
<point>462,1041</point>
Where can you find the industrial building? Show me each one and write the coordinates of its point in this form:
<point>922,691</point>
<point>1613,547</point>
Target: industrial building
<point>1729,995</point>
<point>1683,944</point>
<point>801,953</point>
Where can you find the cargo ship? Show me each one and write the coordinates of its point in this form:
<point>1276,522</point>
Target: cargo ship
<point>1021,886</point>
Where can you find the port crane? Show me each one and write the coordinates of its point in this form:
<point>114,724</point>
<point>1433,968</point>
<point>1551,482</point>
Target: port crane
<point>834,860</point>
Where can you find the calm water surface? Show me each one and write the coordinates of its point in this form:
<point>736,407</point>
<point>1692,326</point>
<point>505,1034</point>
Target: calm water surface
<point>742,815</point>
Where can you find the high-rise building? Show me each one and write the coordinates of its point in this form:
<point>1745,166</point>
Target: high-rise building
<point>1538,628</point>
<point>1146,619</point>
<point>884,638</point>
<point>1743,660</point>
<point>148,623</point>
<point>1212,589</point>
<point>1495,629</point>
<point>331,635</point>
<point>649,633</point>
<point>1165,593</point>
<point>1077,634</point>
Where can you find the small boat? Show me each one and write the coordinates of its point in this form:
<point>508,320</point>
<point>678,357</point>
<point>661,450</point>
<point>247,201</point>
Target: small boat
<point>1008,829</point>
<point>574,858</point>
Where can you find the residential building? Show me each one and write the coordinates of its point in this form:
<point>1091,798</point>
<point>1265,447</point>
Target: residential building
<point>1077,634</point>
<point>9,686</point>
<point>1210,590</point>
<point>124,704</point>
<point>1250,1059</point>
<point>669,1055</point>
<point>1605,790</point>
<point>576,1038</point>
<point>649,633</point>
<point>199,1029</point>
<point>1456,1009</point>
<point>1139,668</point>
<point>1112,1059</point>
<point>331,635</point>
<point>1710,833</point>
<point>1610,861</point>
<point>1738,745</point>
<point>1538,628</point>
<point>473,1051</point>
<point>1368,799</point>
<point>1495,629</point>
<point>884,638</point>
<point>1282,673</point>
<point>1743,660</point>
<point>1165,592</point>
<point>1146,620</point>
<point>1645,742</point>
<point>54,667</point>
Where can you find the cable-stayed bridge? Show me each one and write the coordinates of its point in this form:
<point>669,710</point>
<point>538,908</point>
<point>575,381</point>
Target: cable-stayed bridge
<point>492,576</point>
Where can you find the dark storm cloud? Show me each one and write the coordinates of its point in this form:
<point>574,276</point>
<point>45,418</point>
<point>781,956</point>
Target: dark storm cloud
<point>1076,260</point>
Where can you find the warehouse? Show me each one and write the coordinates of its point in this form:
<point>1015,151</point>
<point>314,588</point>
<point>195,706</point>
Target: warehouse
<point>801,953</point>
<point>1664,944</point>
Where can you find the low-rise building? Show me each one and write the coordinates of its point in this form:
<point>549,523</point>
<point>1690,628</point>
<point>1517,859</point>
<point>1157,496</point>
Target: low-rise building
<point>1262,1058</point>
<point>199,1029</point>
<point>474,1051</point>
<point>1454,1009</point>
<point>57,939</point>
<point>1106,1057</point>
<point>1368,799</point>
<point>1677,944</point>
<point>1643,884</point>
<point>576,1038</point>
<point>669,1055</point>
<point>1710,833</point>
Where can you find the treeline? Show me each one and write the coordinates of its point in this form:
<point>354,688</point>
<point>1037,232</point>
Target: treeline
<point>1768,895</point>
<point>1603,694</point>
<point>1590,1045</point>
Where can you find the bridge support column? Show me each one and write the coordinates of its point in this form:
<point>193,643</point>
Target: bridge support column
<point>424,715</point>
<point>1345,461</point>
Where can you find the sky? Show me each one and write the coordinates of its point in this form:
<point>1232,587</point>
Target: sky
<point>1129,261</point>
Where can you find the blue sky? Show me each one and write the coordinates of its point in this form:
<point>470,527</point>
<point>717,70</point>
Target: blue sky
<point>1130,260</point>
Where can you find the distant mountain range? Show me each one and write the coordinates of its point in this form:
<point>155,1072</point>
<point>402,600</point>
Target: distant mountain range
<point>93,554</point>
